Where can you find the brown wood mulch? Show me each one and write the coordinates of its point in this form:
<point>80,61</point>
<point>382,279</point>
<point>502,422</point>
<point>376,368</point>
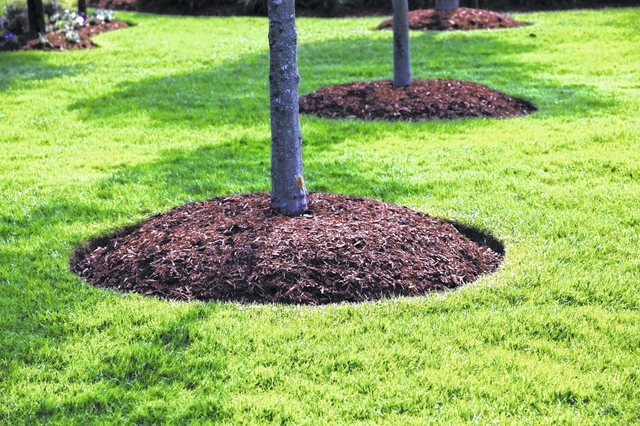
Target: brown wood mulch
<point>56,40</point>
<point>462,18</point>
<point>422,100</point>
<point>236,248</point>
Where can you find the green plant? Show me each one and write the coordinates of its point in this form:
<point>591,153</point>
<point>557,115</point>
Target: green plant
<point>72,36</point>
<point>52,7</point>
<point>101,15</point>
<point>14,19</point>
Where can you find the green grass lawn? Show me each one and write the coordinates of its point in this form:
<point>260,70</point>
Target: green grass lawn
<point>175,109</point>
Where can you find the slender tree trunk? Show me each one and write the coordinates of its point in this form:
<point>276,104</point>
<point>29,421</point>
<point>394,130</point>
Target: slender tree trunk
<point>35,17</point>
<point>447,4</point>
<point>288,192</point>
<point>82,7</point>
<point>401,61</point>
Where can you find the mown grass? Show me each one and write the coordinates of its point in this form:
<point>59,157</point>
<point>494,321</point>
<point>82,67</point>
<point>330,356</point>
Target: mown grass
<point>174,109</point>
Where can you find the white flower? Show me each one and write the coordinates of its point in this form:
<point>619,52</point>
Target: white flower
<point>72,37</point>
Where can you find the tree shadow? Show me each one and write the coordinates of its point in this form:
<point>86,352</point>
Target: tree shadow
<point>236,92</point>
<point>242,166</point>
<point>31,67</point>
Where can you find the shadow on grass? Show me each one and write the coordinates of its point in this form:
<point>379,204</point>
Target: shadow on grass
<point>242,166</point>
<point>236,166</point>
<point>31,67</point>
<point>237,92</point>
<point>49,321</point>
<point>134,353</point>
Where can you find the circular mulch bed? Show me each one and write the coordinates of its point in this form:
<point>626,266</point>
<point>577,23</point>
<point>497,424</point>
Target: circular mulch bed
<point>56,40</point>
<point>422,100</point>
<point>344,249</point>
<point>461,18</point>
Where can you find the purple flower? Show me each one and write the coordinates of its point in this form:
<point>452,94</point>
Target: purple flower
<point>9,36</point>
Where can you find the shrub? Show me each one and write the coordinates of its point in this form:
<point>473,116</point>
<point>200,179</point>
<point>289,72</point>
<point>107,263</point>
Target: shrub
<point>52,7</point>
<point>341,7</point>
<point>15,19</point>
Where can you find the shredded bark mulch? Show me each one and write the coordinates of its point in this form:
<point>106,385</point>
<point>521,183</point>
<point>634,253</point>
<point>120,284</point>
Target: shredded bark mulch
<point>344,249</point>
<point>56,40</point>
<point>422,100</point>
<point>461,18</point>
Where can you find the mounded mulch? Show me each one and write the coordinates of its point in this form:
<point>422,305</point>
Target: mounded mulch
<point>461,18</point>
<point>344,249</point>
<point>422,100</point>
<point>56,40</point>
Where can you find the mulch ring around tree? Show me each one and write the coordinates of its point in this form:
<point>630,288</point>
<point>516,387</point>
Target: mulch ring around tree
<point>56,40</point>
<point>422,100</point>
<point>461,18</point>
<point>236,248</point>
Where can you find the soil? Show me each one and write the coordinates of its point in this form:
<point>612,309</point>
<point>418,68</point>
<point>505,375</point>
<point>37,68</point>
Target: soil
<point>421,100</point>
<point>343,249</point>
<point>461,18</point>
<point>56,40</point>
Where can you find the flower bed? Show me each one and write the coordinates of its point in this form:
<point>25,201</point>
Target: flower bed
<point>65,29</point>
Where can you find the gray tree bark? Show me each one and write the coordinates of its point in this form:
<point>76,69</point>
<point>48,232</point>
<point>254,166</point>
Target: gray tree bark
<point>288,192</point>
<point>401,60</point>
<point>447,4</point>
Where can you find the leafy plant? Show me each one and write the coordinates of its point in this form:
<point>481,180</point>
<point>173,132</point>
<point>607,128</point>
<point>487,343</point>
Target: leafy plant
<point>52,7</point>
<point>10,38</point>
<point>14,19</point>
<point>101,15</point>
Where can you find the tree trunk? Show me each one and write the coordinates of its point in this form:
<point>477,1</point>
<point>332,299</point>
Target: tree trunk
<point>401,61</point>
<point>35,17</point>
<point>288,192</point>
<point>447,4</point>
<point>82,7</point>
